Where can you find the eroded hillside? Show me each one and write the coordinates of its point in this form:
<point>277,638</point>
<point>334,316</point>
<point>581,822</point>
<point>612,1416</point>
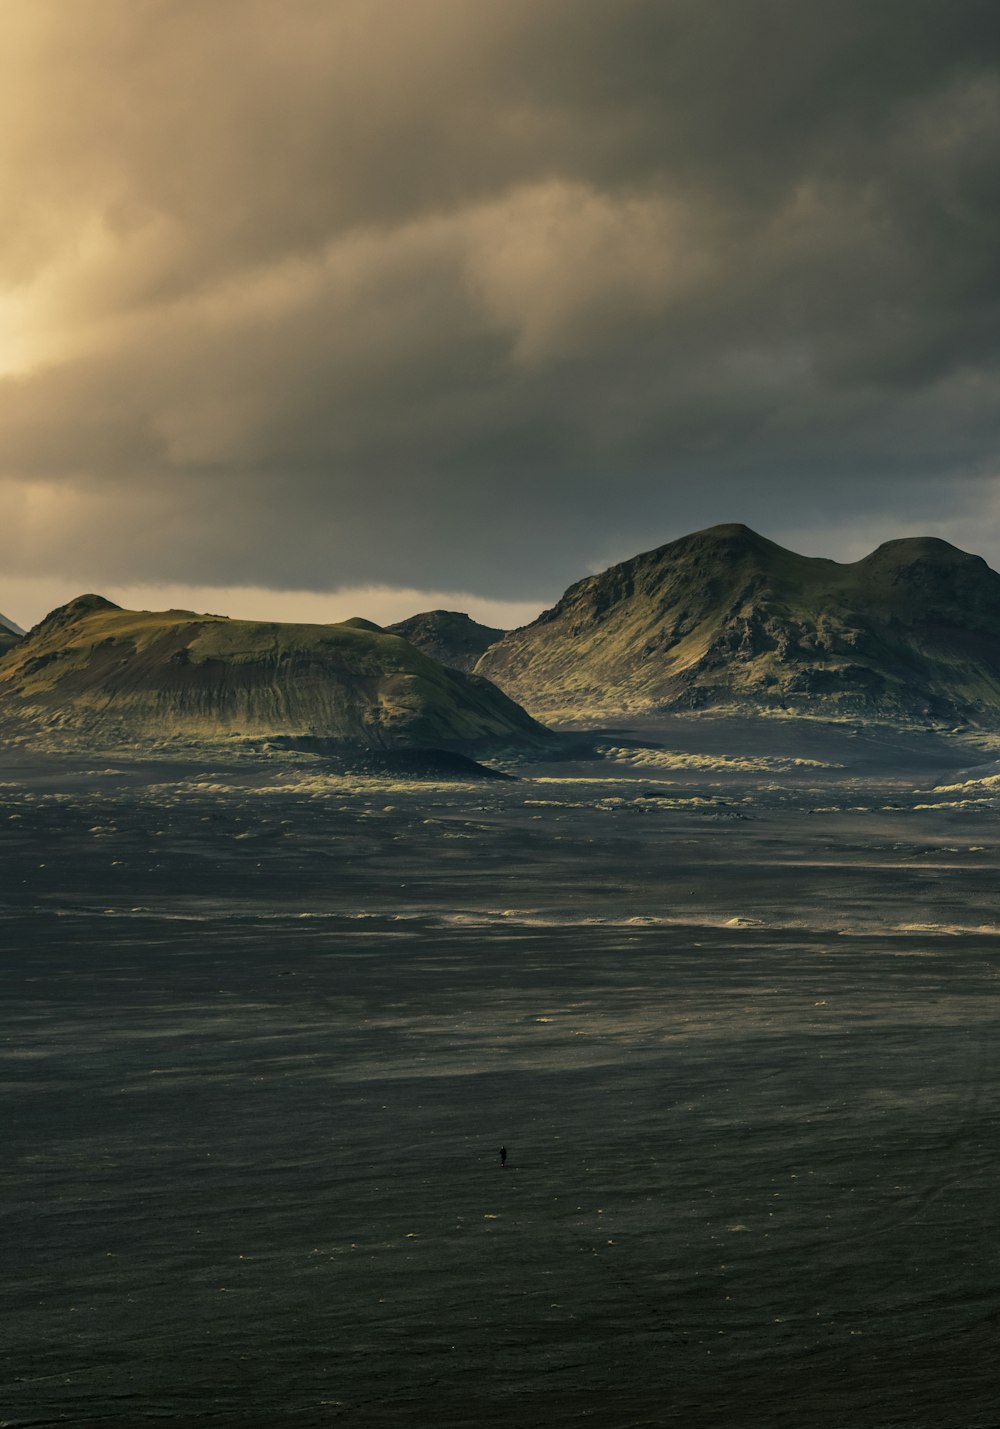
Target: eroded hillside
<point>118,675</point>
<point>725,617</point>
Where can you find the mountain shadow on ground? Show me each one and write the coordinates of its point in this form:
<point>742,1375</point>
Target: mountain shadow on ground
<point>436,764</point>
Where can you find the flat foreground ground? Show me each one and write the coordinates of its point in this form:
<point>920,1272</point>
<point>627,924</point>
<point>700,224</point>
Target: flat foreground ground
<point>735,1018</point>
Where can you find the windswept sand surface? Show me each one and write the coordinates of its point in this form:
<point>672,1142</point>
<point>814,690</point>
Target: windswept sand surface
<point>262,1031</point>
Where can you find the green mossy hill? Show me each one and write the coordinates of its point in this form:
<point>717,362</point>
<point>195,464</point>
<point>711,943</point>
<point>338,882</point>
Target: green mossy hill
<point>450,636</point>
<point>123,675</point>
<point>725,617</point>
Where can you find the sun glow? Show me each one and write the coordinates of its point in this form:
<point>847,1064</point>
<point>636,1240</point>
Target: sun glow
<point>15,342</point>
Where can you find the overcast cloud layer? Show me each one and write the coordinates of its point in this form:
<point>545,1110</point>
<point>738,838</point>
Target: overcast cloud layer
<point>456,295</point>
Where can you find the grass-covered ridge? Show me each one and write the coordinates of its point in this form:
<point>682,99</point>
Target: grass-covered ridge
<point>726,617</point>
<point>130,674</point>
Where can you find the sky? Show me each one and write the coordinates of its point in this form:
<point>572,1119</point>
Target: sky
<point>319,308</point>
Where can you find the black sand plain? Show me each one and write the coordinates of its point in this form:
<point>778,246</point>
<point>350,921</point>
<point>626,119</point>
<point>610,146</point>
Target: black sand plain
<point>735,1017</point>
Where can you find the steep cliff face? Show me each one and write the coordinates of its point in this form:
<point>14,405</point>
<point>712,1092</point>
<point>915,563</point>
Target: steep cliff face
<point>117,675</point>
<point>726,617</point>
<point>448,636</point>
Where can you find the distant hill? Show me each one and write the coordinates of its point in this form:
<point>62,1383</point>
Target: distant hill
<point>725,617</point>
<point>10,634</point>
<point>120,675</point>
<point>450,636</point>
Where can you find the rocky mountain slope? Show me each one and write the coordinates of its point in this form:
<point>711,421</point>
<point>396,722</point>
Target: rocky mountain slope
<point>120,676</point>
<point>449,636</point>
<point>725,617</point>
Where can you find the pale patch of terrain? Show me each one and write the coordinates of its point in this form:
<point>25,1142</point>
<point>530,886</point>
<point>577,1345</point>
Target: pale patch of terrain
<point>674,759</point>
<point>986,783</point>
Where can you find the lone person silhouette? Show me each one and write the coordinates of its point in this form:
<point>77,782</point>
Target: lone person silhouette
<point>503,1156</point>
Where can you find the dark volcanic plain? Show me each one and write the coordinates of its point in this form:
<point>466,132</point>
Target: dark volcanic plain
<point>734,1015</point>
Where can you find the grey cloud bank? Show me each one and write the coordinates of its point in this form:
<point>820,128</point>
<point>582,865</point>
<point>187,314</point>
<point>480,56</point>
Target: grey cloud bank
<point>474,297</point>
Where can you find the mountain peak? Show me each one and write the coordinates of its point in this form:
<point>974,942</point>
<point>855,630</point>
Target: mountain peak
<point>906,549</point>
<point>730,542</point>
<point>450,636</point>
<point>726,617</point>
<point>729,531</point>
<point>76,609</point>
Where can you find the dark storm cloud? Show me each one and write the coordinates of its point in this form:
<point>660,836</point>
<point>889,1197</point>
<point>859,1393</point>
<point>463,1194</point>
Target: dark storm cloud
<point>474,296</point>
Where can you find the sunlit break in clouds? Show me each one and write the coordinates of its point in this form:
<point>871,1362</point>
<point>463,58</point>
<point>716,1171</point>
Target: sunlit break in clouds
<point>461,300</point>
